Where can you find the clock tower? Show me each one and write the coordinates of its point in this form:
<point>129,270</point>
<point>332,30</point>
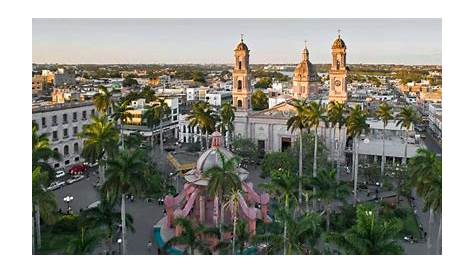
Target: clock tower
<point>338,72</point>
<point>241,91</point>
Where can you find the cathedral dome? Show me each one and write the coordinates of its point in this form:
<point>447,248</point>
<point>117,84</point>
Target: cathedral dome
<point>241,46</point>
<point>339,43</point>
<point>305,70</point>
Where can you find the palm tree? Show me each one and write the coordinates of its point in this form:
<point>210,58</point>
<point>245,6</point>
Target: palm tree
<point>298,121</point>
<point>202,116</point>
<point>226,125</point>
<point>84,243</point>
<point>105,215</point>
<point>425,174</point>
<point>100,142</point>
<point>148,94</point>
<point>282,186</point>
<point>125,174</point>
<point>44,202</point>
<point>122,115</point>
<point>329,190</point>
<point>156,114</point>
<point>223,180</point>
<point>314,114</point>
<point>103,100</point>
<point>302,236</point>
<point>370,235</point>
<point>336,115</point>
<point>42,152</point>
<point>356,125</point>
<point>192,237</point>
<point>384,113</point>
<point>406,119</point>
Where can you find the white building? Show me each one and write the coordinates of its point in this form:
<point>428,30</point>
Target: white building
<point>62,123</point>
<point>217,97</point>
<point>192,94</point>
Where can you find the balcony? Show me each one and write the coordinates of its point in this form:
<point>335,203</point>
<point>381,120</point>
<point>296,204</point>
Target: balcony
<point>65,136</point>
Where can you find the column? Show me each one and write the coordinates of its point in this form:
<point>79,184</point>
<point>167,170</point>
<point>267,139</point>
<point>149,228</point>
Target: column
<point>202,209</point>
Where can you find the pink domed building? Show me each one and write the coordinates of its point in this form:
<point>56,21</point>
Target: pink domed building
<point>194,202</point>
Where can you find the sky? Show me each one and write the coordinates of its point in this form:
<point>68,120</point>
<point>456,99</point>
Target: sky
<point>212,41</point>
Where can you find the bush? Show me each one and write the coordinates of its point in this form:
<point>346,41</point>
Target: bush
<point>67,224</point>
<point>246,149</point>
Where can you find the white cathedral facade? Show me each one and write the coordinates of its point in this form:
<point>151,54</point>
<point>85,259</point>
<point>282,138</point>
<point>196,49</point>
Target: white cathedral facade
<point>268,127</point>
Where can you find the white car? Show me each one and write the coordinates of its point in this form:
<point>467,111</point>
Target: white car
<point>91,164</point>
<point>60,173</point>
<point>75,178</point>
<point>55,185</point>
<point>94,204</point>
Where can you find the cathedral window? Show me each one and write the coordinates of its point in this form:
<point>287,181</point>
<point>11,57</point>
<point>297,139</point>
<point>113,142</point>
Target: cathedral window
<point>240,64</point>
<point>239,103</point>
<point>239,84</point>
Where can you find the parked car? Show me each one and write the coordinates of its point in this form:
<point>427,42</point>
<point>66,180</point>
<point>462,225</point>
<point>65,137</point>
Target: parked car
<point>60,173</point>
<point>75,178</point>
<point>94,204</point>
<point>91,164</point>
<point>55,185</point>
<point>78,169</point>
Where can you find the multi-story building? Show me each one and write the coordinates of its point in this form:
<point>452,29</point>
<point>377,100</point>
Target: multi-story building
<point>217,97</point>
<point>62,123</point>
<point>435,119</point>
<point>37,84</point>
<point>151,133</point>
<point>64,78</point>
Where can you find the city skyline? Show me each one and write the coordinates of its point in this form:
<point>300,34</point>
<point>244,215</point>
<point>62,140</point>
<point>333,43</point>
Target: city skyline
<point>211,41</point>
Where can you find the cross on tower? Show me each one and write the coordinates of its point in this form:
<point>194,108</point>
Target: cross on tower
<point>339,33</point>
<point>305,43</point>
<point>241,37</point>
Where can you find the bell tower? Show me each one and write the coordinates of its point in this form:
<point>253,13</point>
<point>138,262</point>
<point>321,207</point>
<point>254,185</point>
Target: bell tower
<point>241,90</point>
<point>338,72</point>
<point>304,77</point>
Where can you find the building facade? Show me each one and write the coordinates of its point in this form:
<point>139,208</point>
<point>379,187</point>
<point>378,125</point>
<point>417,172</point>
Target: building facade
<point>62,123</point>
<point>338,72</point>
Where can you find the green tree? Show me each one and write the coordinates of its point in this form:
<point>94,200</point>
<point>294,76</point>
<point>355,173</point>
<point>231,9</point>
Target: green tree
<point>223,180</point>
<point>264,82</point>
<point>122,115</point>
<point>425,174</point>
<point>129,81</point>
<point>246,149</point>
<point>100,142</point>
<point>407,119</point>
<point>193,237</point>
<point>356,125</point>
<point>282,186</point>
<point>125,174</point>
<point>278,161</point>
<point>299,121</point>
<point>84,243</point>
<point>371,235</point>
<point>157,113</point>
<point>384,113</point>
<point>44,203</point>
<point>104,215</point>
<point>148,94</point>
<point>226,123</point>
<point>42,152</point>
<point>329,190</point>
<point>259,100</point>
<point>314,113</point>
<point>302,235</point>
<point>202,116</point>
<point>103,100</point>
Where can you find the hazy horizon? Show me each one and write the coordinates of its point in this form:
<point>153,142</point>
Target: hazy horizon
<point>212,41</point>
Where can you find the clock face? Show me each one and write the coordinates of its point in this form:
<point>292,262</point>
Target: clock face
<point>338,83</point>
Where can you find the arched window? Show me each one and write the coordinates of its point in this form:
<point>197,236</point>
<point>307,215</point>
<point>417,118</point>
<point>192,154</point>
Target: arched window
<point>239,84</point>
<point>239,103</point>
<point>66,150</point>
<point>240,64</point>
<point>337,65</point>
<point>76,148</point>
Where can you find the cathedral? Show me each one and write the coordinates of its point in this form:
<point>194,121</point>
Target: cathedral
<point>268,127</point>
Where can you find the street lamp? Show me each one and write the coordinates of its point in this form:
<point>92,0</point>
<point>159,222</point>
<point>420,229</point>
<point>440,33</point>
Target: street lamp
<point>68,199</point>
